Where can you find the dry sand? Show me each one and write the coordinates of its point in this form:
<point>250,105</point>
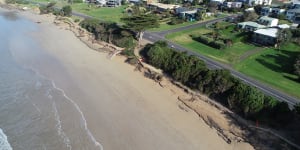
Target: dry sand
<point>123,109</point>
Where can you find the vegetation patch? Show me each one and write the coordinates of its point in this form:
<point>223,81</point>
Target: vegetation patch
<point>218,84</point>
<point>274,67</point>
<point>110,33</point>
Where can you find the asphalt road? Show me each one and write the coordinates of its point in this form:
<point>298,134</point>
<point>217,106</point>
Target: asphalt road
<point>212,64</point>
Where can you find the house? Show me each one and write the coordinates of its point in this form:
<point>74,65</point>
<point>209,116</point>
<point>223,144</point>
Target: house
<point>292,13</point>
<point>101,2</point>
<point>113,3</point>
<point>266,11</point>
<point>181,9</point>
<point>258,2</point>
<point>268,21</point>
<point>232,4</point>
<point>189,15</point>
<point>250,26</point>
<point>251,9</point>
<point>265,36</point>
<point>163,7</point>
<point>218,1</point>
<point>135,2</point>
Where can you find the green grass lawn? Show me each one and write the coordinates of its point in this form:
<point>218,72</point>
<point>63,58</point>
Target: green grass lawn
<point>229,55</point>
<point>274,67</point>
<point>112,14</point>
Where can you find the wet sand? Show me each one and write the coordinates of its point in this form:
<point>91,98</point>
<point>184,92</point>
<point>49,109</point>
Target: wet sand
<point>123,109</point>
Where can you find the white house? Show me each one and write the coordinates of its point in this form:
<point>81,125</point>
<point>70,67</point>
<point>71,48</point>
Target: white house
<point>292,13</point>
<point>265,36</point>
<point>163,7</point>
<point>219,1</point>
<point>233,4</point>
<point>259,2</point>
<point>268,21</point>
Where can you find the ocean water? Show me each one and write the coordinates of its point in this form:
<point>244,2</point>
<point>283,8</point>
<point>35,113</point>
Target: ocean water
<point>35,114</point>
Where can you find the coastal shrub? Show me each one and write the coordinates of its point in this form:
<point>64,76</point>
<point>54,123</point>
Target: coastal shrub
<point>109,32</point>
<point>90,24</point>
<point>76,20</point>
<point>10,1</point>
<point>22,1</point>
<point>243,99</point>
<point>66,11</point>
<point>77,1</point>
<point>49,8</point>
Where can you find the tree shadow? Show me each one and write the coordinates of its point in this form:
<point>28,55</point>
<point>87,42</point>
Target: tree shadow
<point>281,62</point>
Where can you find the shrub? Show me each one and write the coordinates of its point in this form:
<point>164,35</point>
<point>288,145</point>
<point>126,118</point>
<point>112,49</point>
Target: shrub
<point>76,20</point>
<point>10,1</point>
<point>49,8</point>
<point>66,11</point>
<point>204,39</point>
<point>175,21</point>
<point>22,2</point>
<point>77,1</point>
<point>210,42</point>
<point>217,45</point>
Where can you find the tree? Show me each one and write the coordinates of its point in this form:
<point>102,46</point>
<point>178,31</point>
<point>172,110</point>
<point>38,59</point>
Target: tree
<point>257,8</point>
<point>195,2</point>
<point>212,7</point>
<point>246,99</point>
<point>283,36</point>
<point>250,16</point>
<point>297,108</point>
<point>297,67</point>
<point>221,81</point>
<point>200,15</point>
<point>139,23</point>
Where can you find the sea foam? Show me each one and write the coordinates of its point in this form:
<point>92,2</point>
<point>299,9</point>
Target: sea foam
<point>4,144</point>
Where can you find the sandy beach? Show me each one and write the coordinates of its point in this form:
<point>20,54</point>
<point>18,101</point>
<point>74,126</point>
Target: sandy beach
<point>123,109</point>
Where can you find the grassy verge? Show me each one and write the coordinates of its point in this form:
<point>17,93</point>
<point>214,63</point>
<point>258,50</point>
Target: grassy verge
<point>274,67</point>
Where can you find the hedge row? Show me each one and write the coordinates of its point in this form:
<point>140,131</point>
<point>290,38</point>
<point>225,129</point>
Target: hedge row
<point>210,42</point>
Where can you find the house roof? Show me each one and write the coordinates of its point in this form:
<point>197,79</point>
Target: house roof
<point>268,32</point>
<point>266,18</point>
<point>252,24</point>
<point>283,26</point>
<point>294,10</point>
<point>164,6</point>
<point>190,11</point>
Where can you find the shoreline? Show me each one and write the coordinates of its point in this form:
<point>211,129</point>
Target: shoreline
<point>119,61</point>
